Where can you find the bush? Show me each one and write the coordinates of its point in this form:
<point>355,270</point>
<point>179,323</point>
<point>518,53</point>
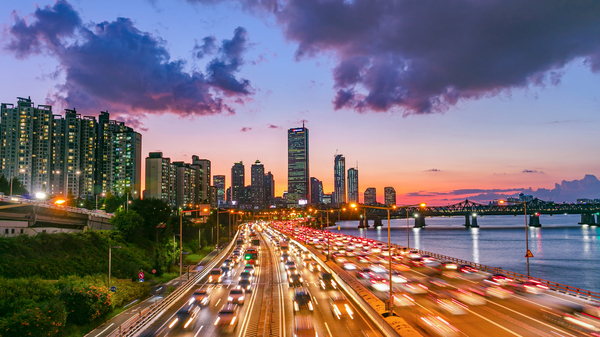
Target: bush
<point>46,320</point>
<point>85,302</point>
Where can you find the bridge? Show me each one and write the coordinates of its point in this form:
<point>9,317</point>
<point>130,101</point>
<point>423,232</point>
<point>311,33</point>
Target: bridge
<point>470,210</point>
<point>34,217</point>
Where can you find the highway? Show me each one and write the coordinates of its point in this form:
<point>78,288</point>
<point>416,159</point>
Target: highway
<point>464,300</point>
<point>267,309</point>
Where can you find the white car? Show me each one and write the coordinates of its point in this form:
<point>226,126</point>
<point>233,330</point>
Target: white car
<point>498,292</point>
<point>414,288</point>
<point>468,297</point>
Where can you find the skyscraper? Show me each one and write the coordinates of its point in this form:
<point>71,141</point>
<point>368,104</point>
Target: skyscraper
<point>238,183</point>
<point>390,196</point>
<point>161,178</point>
<point>25,143</point>
<point>257,176</point>
<point>185,184</point>
<point>339,180</point>
<point>353,185</point>
<point>219,183</point>
<point>269,188</point>
<point>370,196</point>
<point>298,184</point>
<point>316,191</point>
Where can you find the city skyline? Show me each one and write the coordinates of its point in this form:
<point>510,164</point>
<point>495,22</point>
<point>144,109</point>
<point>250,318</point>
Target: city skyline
<point>536,131</point>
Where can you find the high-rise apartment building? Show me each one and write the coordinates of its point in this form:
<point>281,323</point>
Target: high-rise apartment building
<point>316,191</point>
<point>203,176</point>
<point>238,184</point>
<point>25,143</point>
<point>118,157</point>
<point>269,188</point>
<point>257,181</point>
<point>185,184</point>
<point>389,196</point>
<point>339,180</point>
<point>73,155</point>
<point>353,185</point>
<point>161,179</point>
<point>370,196</point>
<point>298,168</point>
<point>219,183</point>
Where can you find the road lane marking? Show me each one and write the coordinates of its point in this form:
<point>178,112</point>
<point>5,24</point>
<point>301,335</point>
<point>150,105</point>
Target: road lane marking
<point>196,335</point>
<point>496,324</point>
<point>103,331</point>
<point>533,319</point>
<point>218,302</point>
<point>327,326</point>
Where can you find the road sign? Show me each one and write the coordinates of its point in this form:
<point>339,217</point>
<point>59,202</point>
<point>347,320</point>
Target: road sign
<point>153,271</point>
<point>141,276</point>
<point>113,289</point>
<point>529,254</point>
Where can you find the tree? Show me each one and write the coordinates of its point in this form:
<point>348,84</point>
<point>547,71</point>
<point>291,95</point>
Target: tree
<point>130,223</point>
<point>18,188</point>
<point>111,203</point>
<point>154,211</point>
<point>4,185</point>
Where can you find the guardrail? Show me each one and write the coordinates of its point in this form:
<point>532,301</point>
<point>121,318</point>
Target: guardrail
<point>155,312</point>
<point>558,287</point>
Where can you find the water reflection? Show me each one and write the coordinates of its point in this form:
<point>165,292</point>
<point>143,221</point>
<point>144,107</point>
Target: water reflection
<point>586,240</point>
<point>417,238</point>
<point>475,239</point>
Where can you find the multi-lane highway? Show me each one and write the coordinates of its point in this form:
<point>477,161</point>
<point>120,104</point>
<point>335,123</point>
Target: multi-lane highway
<point>268,307</point>
<point>469,302</point>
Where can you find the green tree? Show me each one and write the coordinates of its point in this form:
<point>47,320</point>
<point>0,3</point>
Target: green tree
<point>155,213</point>
<point>85,302</point>
<point>18,188</point>
<point>130,223</point>
<point>111,203</point>
<point>4,185</point>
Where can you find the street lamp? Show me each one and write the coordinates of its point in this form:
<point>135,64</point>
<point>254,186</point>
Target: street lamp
<point>103,194</point>
<point>67,182</point>
<point>405,207</point>
<point>110,261</point>
<point>328,232</point>
<point>11,178</point>
<point>524,203</point>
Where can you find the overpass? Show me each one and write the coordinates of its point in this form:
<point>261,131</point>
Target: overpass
<point>34,217</point>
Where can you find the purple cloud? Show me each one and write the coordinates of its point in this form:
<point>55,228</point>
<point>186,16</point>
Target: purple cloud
<point>271,126</point>
<point>114,65</point>
<point>246,129</point>
<point>425,56</point>
<point>433,170</point>
<point>208,47</point>
<point>532,171</point>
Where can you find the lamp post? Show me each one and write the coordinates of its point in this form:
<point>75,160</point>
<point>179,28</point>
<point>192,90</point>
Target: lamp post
<point>67,183</point>
<point>11,178</point>
<point>405,207</point>
<point>524,203</point>
<point>103,194</point>
<point>110,247</point>
<point>328,232</point>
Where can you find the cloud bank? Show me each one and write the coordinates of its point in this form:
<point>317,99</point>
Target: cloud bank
<point>426,56</point>
<point>115,65</point>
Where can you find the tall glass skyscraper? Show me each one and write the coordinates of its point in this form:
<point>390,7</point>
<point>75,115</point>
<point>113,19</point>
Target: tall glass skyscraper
<point>238,184</point>
<point>219,183</point>
<point>353,185</point>
<point>298,183</point>
<point>339,180</point>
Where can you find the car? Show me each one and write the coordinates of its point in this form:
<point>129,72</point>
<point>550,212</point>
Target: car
<point>363,259</point>
<point>340,306</point>
<point>202,296</point>
<point>215,276</point>
<point>303,326</point>
<point>288,264</point>
<point>302,300</point>
<point>327,282</point>
<point>227,263</point>
<point>236,295</point>
<point>414,288</point>
<point>226,271</point>
<point>448,304</point>
<point>349,266</point>
<point>398,278</point>
<point>306,261</point>
<point>364,273</point>
<point>292,270</point>
<point>403,300</point>
<point>185,318</point>
<point>249,268</point>
<point>500,279</point>
<point>313,266</point>
<point>378,268</point>
<point>468,297</point>
<point>295,280</point>
<point>245,275</point>
<point>498,292</point>
<point>533,287</point>
<point>245,284</point>
<point>379,283</point>
<point>227,318</point>
<point>436,326</point>
<point>284,257</point>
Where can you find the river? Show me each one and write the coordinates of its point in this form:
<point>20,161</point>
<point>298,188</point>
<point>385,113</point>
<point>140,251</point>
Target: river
<point>563,250</point>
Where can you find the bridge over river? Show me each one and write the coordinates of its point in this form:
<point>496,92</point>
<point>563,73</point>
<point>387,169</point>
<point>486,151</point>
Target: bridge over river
<point>471,210</point>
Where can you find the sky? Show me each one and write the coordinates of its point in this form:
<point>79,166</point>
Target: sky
<point>441,100</point>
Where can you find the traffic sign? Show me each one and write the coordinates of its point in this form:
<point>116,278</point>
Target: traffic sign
<point>153,271</point>
<point>529,253</point>
<point>141,276</point>
<point>113,289</point>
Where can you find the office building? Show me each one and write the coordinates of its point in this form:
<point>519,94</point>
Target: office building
<point>161,179</point>
<point>269,188</point>
<point>298,166</point>
<point>238,183</point>
<point>327,199</point>
<point>185,185</point>
<point>257,182</point>
<point>219,183</point>
<point>316,191</point>
<point>389,196</point>
<point>370,196</point>
<point>25,143</point>
<point>339,180</point>
<point>353,185</point>
<point>203,175</point>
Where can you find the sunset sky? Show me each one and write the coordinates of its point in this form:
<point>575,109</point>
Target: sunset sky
<point>441,100</point>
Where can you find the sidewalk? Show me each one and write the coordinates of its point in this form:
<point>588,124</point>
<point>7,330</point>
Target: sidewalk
<point>136,308</point>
